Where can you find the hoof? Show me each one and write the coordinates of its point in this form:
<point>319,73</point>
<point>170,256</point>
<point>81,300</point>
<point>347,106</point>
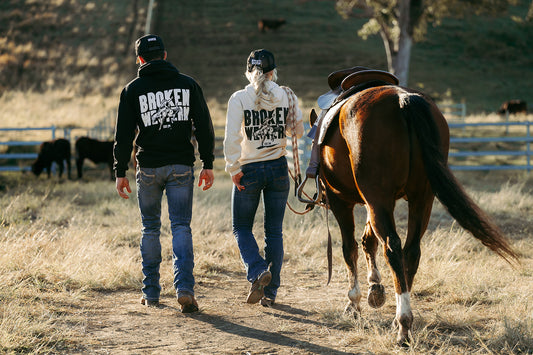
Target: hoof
<point>403,324</point>
<point>376,295</point>
<point>403,341</point>
<point>351,310</point>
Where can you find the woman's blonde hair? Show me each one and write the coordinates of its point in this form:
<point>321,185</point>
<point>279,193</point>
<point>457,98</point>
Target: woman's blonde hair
<point>258,79</point>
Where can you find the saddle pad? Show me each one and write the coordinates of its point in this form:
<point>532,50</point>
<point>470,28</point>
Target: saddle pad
<point>325,101</point>
<point>324,123</point>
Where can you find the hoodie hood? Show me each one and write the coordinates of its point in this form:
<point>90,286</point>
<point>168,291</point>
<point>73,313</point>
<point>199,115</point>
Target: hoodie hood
<point>157,67</point>
<point>276,91</point>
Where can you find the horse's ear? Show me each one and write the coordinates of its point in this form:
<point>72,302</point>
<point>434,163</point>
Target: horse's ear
<point>312,117</point>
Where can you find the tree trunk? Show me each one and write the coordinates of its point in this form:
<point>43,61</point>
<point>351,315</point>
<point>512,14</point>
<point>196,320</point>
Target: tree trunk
<point>405,43</point>
<point>401,59</point>
<point>398,49</point>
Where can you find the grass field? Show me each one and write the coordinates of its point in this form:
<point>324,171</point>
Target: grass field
<point>68,244</point>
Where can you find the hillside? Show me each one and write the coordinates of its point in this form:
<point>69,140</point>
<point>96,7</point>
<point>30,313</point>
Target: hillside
<point>87,47</point>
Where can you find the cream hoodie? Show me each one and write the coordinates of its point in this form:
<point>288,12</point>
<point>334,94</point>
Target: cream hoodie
<point>254,135</point>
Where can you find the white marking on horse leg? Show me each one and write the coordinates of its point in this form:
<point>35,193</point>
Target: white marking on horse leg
<point>404,317</point>
<point>355,298</point>
<point>374,277</point>
<point>403,304</point>
<point>355,294</point>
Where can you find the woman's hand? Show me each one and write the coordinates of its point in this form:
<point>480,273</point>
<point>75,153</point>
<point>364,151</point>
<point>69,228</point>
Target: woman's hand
<point>237,180</point>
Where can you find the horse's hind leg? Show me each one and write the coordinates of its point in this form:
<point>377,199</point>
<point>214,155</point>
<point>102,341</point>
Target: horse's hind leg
<point>343,212</point>
<point>419,214</point>
<point>382,222</point>
<point>376,291</point>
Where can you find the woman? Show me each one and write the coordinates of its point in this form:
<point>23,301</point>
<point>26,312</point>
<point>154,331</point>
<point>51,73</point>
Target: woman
<point>258,121</point>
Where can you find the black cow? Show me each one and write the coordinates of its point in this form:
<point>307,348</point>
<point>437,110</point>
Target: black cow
<point>270,24</point>
<point>57,151</point>
<point>94,150</point>
<point>513,106</point>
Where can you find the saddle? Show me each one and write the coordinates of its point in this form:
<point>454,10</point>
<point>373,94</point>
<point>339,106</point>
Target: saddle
<point>346,82</point>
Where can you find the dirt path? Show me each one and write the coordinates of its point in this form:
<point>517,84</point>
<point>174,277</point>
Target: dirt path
<point>117,324</point>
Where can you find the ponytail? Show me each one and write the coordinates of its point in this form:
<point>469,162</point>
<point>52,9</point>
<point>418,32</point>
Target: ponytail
<point>258,80</point>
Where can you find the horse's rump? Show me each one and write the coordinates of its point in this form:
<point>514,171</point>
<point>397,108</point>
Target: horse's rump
<point>445,186</point>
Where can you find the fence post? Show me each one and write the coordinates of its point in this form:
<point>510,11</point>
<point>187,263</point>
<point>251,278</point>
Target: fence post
<point>66,133</point>
<point>528,146</point>
<point>507,120</point>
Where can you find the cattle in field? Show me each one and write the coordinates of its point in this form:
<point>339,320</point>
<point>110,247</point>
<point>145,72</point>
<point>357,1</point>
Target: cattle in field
<point>94,150</point>
<point>513,107</point>
<point>58,151</point>
<point>270,24</point>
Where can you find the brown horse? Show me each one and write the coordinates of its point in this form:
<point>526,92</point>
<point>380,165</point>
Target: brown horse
<point>388,143</point>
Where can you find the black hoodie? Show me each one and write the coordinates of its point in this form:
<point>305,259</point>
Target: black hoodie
<point>164,105</point>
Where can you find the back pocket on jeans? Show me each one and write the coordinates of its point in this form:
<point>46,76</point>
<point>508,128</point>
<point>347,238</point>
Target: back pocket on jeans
<point>249,178</point>
<point>146,177</point>
<point>182,175</point>
<point>281,177</point>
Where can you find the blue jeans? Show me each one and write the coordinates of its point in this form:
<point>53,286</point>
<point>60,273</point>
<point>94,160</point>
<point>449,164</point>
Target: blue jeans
<point>270,179</point>
<point>177,181</point>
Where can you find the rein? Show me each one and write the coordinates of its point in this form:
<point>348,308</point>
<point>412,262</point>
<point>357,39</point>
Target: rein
<point>297,176</point>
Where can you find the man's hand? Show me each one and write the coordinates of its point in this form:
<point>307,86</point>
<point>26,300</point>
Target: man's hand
<point>208,177</point>
<point>237,180</point>
<point>122,183</point>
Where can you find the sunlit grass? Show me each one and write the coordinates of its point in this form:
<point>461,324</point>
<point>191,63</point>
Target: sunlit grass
<point>67,239</point>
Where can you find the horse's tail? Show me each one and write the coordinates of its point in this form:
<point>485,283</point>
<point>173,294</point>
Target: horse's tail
<point>416,110</point>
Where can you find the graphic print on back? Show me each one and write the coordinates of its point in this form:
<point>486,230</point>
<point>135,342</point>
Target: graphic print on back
<point>163,108</point>
<point>265,126</point>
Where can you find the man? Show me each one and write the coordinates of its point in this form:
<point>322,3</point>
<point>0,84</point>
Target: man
<point>163,105</point>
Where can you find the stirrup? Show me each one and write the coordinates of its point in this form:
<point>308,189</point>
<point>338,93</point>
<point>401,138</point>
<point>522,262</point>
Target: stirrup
<point>318,199</point>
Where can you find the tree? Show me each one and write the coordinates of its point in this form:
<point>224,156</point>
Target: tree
<point>401,23</point>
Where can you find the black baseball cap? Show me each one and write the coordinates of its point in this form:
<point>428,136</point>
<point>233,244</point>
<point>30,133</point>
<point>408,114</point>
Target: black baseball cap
<point>261,58</point>
<point>148,43</point>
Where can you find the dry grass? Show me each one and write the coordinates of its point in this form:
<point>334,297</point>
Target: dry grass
<point>60,108</point>
<point>65,240</point>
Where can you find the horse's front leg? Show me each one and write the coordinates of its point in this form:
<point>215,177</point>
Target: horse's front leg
<point>343,212</point>
<point>376,291</point>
